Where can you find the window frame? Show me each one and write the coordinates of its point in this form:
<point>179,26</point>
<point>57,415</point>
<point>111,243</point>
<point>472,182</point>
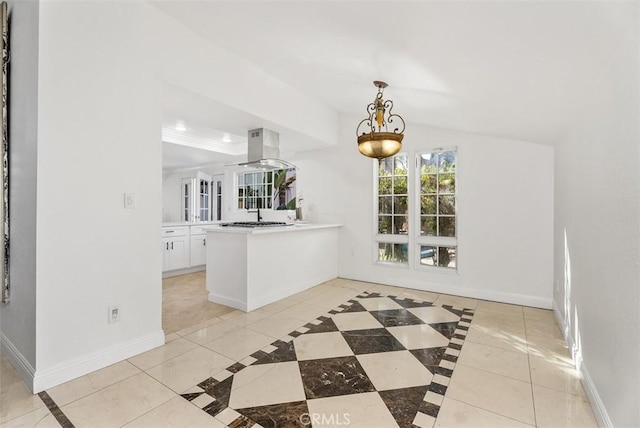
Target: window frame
<point>240,176</point>
<point>434,240</point>
<point>413,239</point>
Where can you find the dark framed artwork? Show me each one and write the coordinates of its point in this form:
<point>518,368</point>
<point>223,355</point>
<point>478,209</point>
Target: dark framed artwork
<point>4,154</point>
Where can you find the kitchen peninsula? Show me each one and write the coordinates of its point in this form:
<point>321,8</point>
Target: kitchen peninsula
<point>251,267</point>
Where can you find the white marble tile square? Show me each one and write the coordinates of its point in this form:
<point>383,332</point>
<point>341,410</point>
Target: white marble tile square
<point>447,364</point>
<point>499,308</point>
<point>227,416</point>
<point>209,333</point>
<point>499,394</point>
<point>364,410</point>
<point>92,382</point>
<point>393,370</point>
<point>506,363</point>
<point>245,318</point>
<point>119,403</point>
<point>379,304</point>
<point>423,421</point>
<point>265,384</point>
<point>433,398</point>
<point>442,380</point>
<point>356,321</point>
<point>321,345</point>
<point>500,322</point>
<point>434,314</point>
<point>40,418</point>
<point>559,409</point>
<point>556,373</point>
<point>202,401</point>
<point>304,311</point>
<point>17,399</point>
<point>239,344</point>
<point>222,375</point>
<point>163,353</point>
<point>496,338</point>
<point>190,368</point>
<point>456,414</point>
<point>276,325</point>
<point>176,413</point>
<point>418,336</point>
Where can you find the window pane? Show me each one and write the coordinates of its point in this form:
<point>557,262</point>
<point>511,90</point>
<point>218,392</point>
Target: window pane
<point>447,257</point>
<point>447,226</point>
<point>385,204</point>
<point>400,165</point>
<point>385,251</point>
<point>428,225</point>
<point>400,224</point>
<point>384,224</point>
<point>401,253</point>
<point>447,183</point>
<point>447,205</point>
<point>427,205</point>
<point>428,255</point>
<point>384,186</point>
<point>447,161</point>
<point>428,163</point>
<point>385,167</point>
<point>400,205</point>
<point>428,183</point>
<point>400,185</point>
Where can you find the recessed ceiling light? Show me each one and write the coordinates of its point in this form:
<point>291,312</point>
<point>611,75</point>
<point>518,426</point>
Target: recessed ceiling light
<point>180,126</point>
<point>226,138</point>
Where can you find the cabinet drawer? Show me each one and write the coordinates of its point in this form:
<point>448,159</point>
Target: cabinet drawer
<point>167,232</point>
<point>198,230</point>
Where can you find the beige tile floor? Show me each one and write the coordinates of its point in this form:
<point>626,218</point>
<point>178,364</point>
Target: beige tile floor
<point>513,370</point>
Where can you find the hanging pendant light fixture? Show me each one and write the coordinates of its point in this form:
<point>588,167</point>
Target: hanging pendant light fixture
<point>378,137</point>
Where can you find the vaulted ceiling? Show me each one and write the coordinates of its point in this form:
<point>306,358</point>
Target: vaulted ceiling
<point>511,69</point>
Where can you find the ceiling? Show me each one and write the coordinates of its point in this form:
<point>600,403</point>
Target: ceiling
<point>516,69</point>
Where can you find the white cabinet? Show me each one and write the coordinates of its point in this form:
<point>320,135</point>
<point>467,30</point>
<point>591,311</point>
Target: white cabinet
<point>175,250</point>
<point>198,246</point>
<point>195,197</point>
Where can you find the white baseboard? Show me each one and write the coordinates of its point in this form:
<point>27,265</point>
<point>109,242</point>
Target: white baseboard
<point>177,272</point>
<point>599,411</point>
<point>48,378</point>
<point>24,369</point>
<point>494,296</point>
<point>222,300</point>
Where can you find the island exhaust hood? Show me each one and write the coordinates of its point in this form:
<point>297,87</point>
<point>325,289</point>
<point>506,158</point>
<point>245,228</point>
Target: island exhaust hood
<point>264,151</point>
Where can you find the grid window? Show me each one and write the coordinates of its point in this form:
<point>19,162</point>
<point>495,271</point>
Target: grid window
<point>267,189</point>
<point>393,197</point>
<point>438,194</point>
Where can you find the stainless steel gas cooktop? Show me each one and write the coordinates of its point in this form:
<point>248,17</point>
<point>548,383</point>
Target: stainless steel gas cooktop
<point>255,224</point>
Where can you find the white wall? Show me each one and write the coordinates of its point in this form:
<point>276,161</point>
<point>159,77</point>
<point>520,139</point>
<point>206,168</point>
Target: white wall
<point>98,138</point>
<point>505,240</point>
<point>597,233</point>
<point>18,318</point>
<point>101,70</point>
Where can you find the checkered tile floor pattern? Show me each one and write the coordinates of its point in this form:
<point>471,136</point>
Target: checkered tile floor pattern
<point>375,360</point>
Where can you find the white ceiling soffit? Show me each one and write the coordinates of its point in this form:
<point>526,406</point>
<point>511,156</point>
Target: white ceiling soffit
<point>512,69</point>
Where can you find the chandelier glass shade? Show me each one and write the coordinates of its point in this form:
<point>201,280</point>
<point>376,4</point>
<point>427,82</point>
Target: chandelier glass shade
<point>380,134</point>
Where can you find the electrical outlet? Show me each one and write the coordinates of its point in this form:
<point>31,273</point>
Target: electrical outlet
<point>114,314</point>
<point>129,201</point>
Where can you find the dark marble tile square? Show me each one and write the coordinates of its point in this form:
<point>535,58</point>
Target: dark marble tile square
<point>277,415</point>
<point>404,403</point>
<point>371,341</point>
<point>221,391</point>
<point>429,357</point>
<point>325,326</point>
<point>446,329</point>
<point>396,317</point>
<point>356,307</point>
<point>235,368</point>
<point>285,352</point>
<point>333,376</point>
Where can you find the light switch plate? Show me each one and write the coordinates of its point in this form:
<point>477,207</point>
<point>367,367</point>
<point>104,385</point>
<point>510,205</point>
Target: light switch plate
<point>129,201</point>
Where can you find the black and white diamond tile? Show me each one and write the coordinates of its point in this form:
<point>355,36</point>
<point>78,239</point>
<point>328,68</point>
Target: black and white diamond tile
<point>393,356</point>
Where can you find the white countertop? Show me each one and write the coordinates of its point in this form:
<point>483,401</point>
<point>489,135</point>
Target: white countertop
<point>296,227</point>
<point>186,223</point>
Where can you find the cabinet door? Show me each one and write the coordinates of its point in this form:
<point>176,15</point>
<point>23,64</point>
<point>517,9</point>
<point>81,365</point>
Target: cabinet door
<point>178,254</point>
<point>165,244</point>
<point>198,247</point>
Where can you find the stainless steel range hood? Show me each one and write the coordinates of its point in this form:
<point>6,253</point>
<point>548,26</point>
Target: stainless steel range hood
<point>264,151</point>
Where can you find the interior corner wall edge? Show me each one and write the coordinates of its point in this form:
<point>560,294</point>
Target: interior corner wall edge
<point>597,237</point>
<point>18,318</point>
